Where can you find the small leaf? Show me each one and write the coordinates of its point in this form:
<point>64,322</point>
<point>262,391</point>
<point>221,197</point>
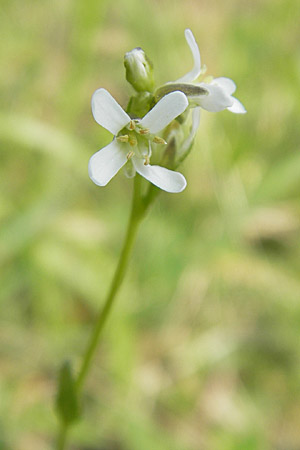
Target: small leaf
<point>67,403</point>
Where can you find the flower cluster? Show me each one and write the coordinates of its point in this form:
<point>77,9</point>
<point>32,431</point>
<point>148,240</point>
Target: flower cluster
<point>135,137</point>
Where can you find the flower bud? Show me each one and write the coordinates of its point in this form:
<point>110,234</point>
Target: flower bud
<point>139,70</point>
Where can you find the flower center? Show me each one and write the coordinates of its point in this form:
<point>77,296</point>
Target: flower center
<point>139,139</point>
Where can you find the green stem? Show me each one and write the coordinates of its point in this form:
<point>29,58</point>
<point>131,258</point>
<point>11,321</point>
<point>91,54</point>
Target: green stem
<point>139,208</point>
<point>135,218</point>
<point>62,436</point>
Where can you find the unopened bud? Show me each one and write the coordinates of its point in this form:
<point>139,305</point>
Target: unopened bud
<point>139,70</point>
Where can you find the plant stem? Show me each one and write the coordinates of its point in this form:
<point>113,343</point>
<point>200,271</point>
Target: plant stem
<point>139,208</point>
<point>135,218</point>
<point>62,436</point>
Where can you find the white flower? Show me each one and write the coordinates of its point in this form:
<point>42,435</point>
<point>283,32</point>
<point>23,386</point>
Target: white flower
<point>132,141</point>
<point>213,96</point>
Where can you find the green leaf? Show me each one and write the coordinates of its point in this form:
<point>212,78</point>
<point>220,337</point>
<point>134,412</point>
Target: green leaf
<point>67,403</point>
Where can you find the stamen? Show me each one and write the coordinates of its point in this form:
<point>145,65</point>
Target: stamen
<point>131,125</point>
<point>147,161</point>
<point>130,155</point>
<point>159,140</point>
<point>144,131</point>
<point>124,138</point>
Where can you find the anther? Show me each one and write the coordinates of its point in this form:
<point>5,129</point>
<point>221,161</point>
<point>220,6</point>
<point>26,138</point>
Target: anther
<point>131,125</point>
<point>144,131</point>
<point>130,155</point>
<point>147,161</point>
<point>159,140</point>
<point>124,138</point>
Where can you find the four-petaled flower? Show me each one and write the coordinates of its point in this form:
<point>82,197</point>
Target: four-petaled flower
<point>214,96</point>
<point>133,138</point>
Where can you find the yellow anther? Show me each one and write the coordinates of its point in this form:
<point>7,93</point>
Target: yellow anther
<point>132,141</point>
<point>144,131</point>
<point>159,140</point>
<point>147,161</point>
<point>130,155</point>
<point>124,138</point>
<point>131,125</point>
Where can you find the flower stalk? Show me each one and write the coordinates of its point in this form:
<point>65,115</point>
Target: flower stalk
<point>139,208</point>
<point>136,215</point>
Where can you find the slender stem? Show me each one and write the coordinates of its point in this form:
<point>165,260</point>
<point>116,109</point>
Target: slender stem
<point>62,436</point>
<point>135,218</point>
<point>138,210</point>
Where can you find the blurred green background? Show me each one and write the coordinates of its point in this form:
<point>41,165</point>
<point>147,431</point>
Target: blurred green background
<point>202,349</point>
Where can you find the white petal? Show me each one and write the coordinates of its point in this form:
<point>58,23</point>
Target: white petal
<point>104,164</point>
<point>226,83</point>
<point>107,112</point>
<point>237,107</point>
<point>166,110</point>
<point>195,72</point>
<point>165,179</point>
<point>216,100</point>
